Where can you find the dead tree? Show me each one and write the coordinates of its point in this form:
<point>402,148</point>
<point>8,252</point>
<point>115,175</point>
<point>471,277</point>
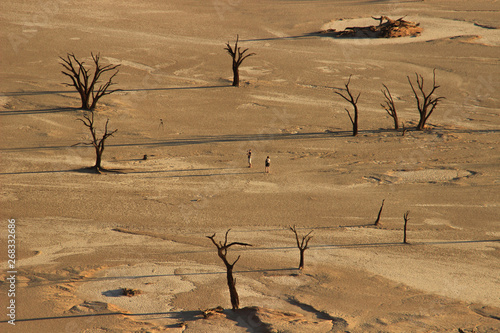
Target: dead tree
<point>97,142</point>
<point>377,221</point>
<point>302,245</point>
<point>389,106</point>
<point>238,57</point>
<point>231,282</point>
<point>426,103</point>
<point>85,82</point>
<point>405,216</point>
<point>354,102</point>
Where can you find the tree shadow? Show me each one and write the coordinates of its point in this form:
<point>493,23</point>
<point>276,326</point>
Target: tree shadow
<point>87,170</point>
<point>318,34</point>
<point>337,322</point>
<point>306,35</point>
<point>173,88</point>
<point>36,93</point>
<point>247,318</point>
<point>113,293</point>
<point>55,92</point>
<point>96,170</point>
<point>208,139</point>
<point>194,175</point>
<point>183,316</point>
<point>369,245</point>
<point>38,111</point>
<point>230,138</point>
<point>119,292</point>
<point>123,171</point>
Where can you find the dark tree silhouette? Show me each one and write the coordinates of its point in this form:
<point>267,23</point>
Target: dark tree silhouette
<point>354,101</point>
<point>97,142</point>
<point>238,57</point>
<point>302,245</point>
<point>405,216</point>
<point>85,82</point>
<point>377,221</point>
<point>389,106</point>
<point>426,103</point>
<point>231,282</point>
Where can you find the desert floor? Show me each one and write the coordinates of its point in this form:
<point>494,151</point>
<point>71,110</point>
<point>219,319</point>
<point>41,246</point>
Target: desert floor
<point>81,237</point>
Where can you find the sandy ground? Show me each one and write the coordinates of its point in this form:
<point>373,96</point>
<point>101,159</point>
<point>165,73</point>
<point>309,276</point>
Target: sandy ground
<point>81,237</point>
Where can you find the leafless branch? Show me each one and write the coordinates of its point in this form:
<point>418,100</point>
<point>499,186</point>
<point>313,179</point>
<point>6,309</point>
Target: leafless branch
<point>389,106</point>
<point>84,82</point>
<point>426,103</point>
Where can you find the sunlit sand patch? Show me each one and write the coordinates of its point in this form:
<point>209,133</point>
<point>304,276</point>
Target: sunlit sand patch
<point>420,176</point>
<point>131,64</point>
<point>250,70</point>
<point>285,98</point>
<point>261,187</point>
<point>4,100</point>
<point>440,222</point>
<point>430,175</point>
<point>295,280</point>
<point>159,283</point>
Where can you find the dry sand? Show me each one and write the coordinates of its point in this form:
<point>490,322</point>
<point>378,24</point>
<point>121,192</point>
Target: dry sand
<point>82,237</point>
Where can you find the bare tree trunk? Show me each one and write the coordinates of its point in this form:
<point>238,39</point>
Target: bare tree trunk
<point>236,75</point>
<point>85,101</point>
<point>301,264</point>
<point>355,123</point>
<point>377,222</point>
<point>421,123</point>
<point>396,123</point>
<point>98,159</point>
<point>406,223</point>
<point>231,283</point>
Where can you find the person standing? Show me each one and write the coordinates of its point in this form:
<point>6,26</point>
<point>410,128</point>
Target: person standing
<point>249,154</point>
<point>268,165</point>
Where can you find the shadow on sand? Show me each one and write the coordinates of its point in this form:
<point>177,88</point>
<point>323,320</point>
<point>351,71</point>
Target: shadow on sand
<point>183,316</point>
<point>55,92</point>
<point>37,111</point>
<point>338,35</point>
<point>87,170</point>
<point>251,138</point>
